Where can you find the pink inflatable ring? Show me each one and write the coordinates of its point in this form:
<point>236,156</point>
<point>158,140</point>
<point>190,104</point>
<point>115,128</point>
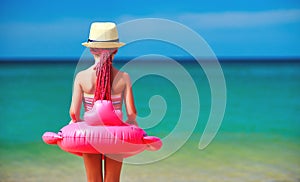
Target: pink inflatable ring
<point>94,135</point>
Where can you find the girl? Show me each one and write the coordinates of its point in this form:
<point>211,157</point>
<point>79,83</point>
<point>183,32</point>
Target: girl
<point>102,81</point>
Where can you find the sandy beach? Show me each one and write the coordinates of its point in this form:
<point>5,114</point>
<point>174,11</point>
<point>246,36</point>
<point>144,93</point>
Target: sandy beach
<point>218,162</point>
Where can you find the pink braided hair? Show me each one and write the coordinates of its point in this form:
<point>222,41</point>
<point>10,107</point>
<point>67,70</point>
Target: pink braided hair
<point>103,73</point>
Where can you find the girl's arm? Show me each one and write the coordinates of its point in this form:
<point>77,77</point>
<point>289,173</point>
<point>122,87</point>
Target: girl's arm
<point>129,102</point>
<point>76,100</point>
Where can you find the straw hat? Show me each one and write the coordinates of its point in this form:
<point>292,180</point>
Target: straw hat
<point>103,35</point>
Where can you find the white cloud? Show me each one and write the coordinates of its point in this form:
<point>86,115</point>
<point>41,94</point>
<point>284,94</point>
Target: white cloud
<point>230,19</point>
<point>70,32</point>
<point>240,19</point>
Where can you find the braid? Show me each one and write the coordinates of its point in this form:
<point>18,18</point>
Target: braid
<point>103,73</point>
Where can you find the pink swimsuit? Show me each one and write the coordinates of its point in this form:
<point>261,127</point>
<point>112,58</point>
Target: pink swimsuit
<point>117,101</point>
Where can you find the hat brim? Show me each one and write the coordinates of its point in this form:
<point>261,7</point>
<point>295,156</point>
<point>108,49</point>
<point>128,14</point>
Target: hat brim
<point>103,44</point>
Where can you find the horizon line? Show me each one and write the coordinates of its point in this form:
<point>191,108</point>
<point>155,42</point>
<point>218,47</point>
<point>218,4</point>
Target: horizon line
<point>177,58</point>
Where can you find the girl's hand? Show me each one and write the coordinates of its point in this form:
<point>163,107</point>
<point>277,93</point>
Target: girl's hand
<point>72,122</point>
<point>132,122</point>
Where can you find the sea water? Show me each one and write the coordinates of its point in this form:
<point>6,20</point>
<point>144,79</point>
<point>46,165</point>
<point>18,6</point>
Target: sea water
<point>257,141</point>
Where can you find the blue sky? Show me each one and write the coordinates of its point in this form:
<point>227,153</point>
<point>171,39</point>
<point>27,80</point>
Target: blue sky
<point>232,28</point>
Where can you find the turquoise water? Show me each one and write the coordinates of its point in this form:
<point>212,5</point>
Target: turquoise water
<point>261,126</point>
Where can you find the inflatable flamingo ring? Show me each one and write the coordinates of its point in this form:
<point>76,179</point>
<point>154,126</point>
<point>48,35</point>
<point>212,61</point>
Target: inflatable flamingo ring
<point>103,132</point>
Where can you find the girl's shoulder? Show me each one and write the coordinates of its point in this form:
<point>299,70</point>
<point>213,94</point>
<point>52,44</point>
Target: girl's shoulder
<point>79,75</point>
<point>84,72</point>
<point>123,75</point>
<point>82,76</point>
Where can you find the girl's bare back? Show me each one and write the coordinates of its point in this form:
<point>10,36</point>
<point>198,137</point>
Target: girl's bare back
<point>85,83</point>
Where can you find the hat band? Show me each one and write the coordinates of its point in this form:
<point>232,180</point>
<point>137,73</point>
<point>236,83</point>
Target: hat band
<point>115,40</point>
